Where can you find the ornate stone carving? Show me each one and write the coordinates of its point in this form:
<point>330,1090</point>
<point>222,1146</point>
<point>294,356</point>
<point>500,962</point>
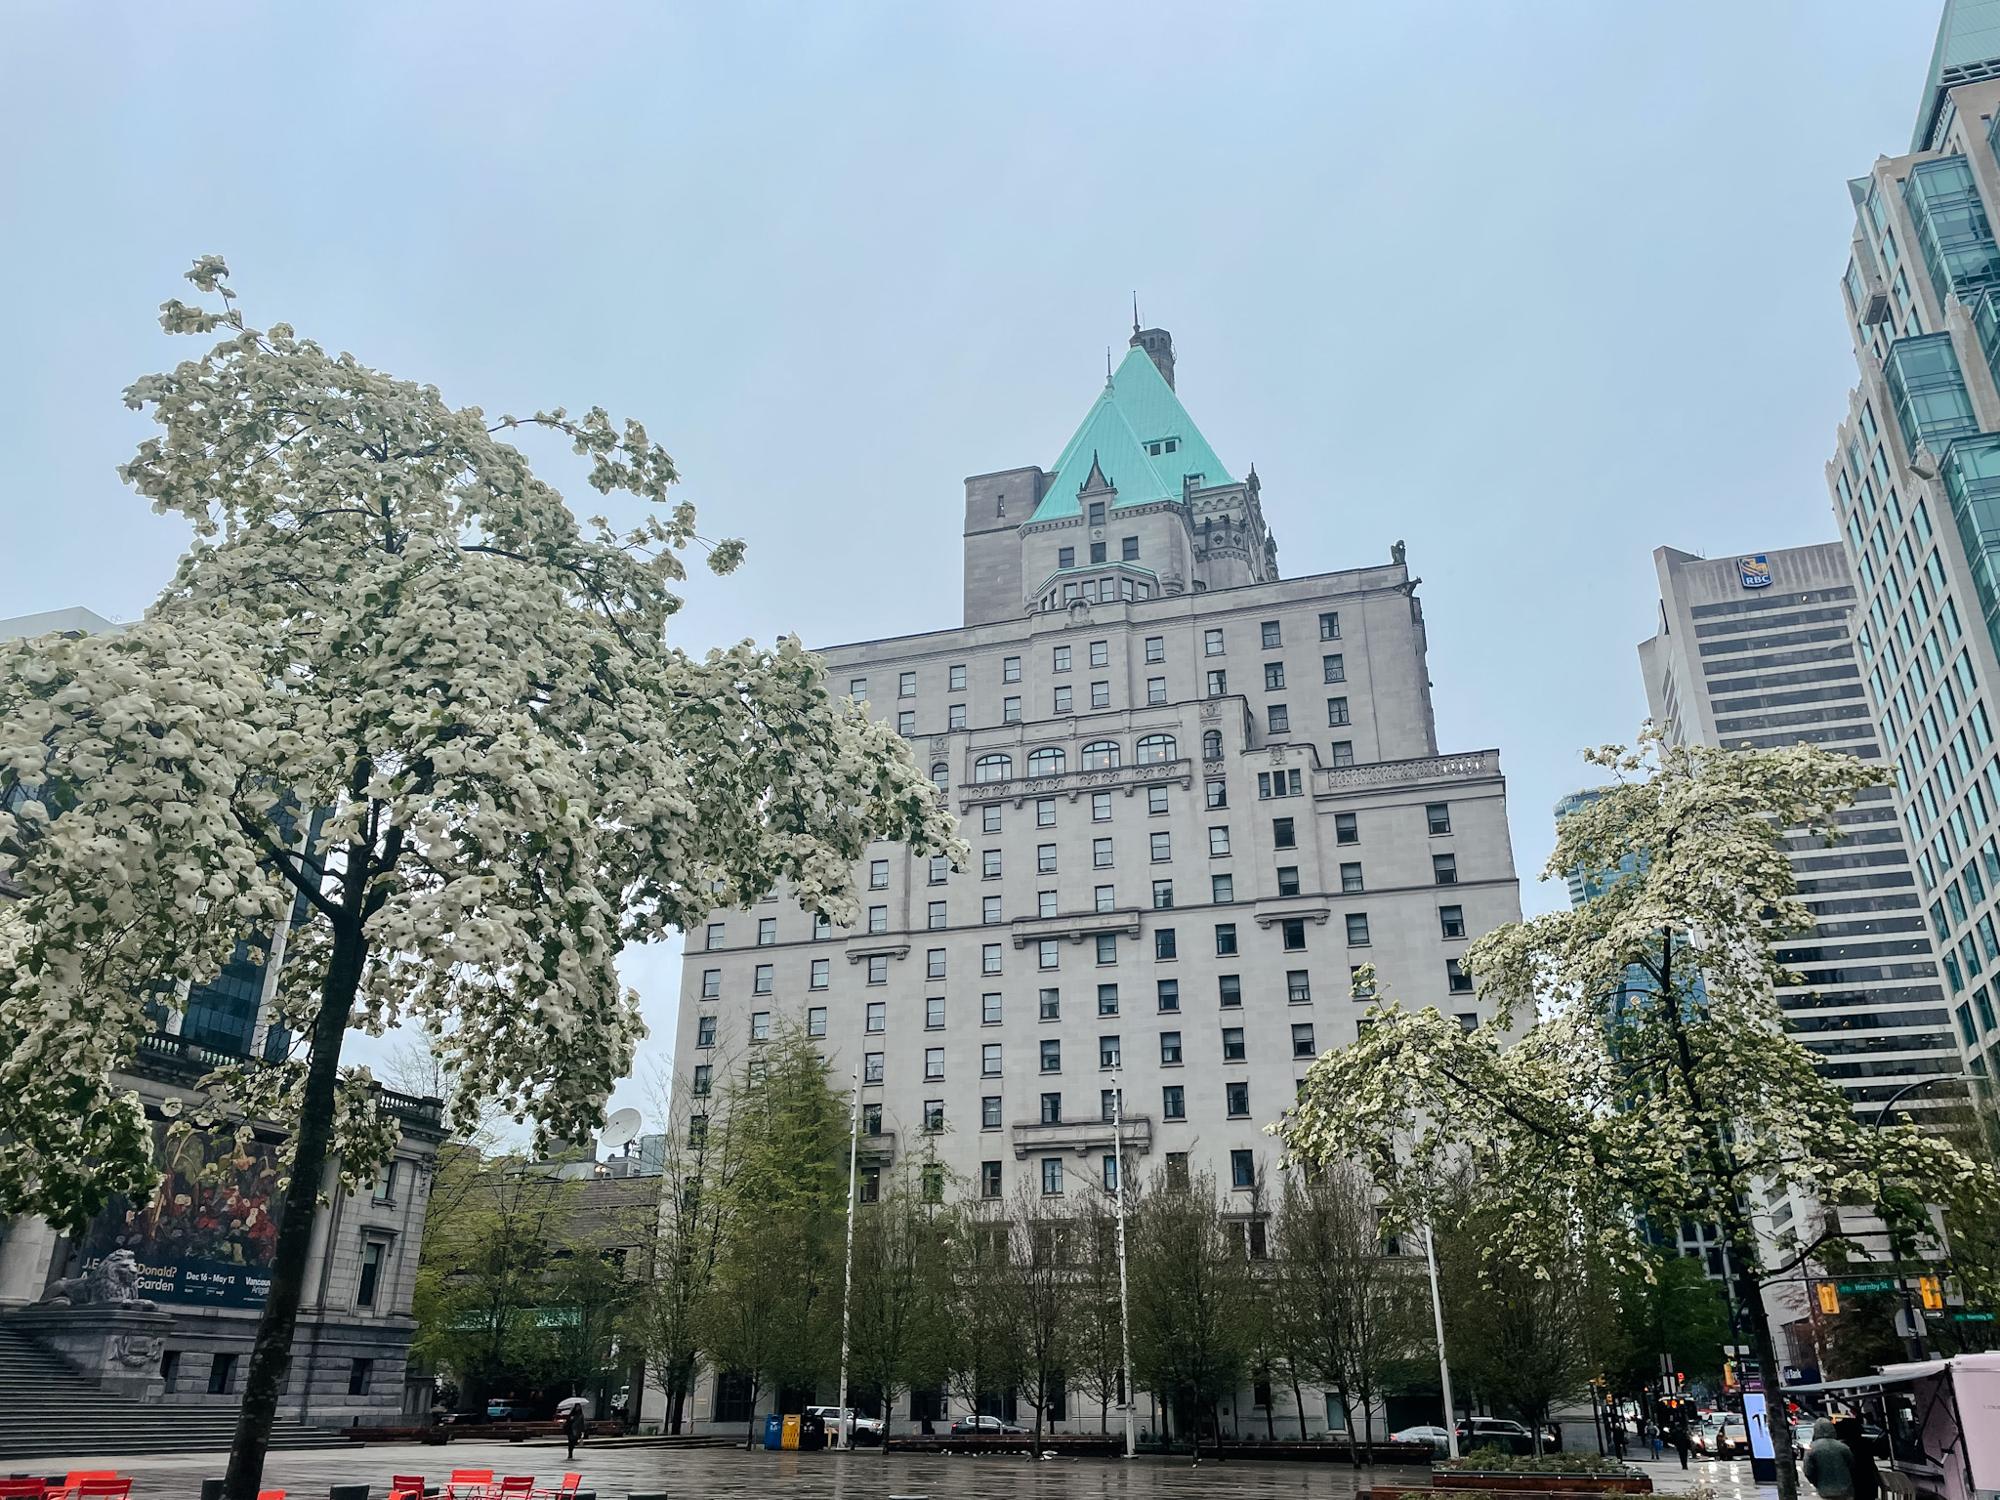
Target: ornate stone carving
<point>139,1350</point>
<point>112,1282</point>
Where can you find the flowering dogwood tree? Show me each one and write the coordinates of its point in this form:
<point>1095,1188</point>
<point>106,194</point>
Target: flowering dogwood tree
<point>1637,1063</point>
<point>394,676</point>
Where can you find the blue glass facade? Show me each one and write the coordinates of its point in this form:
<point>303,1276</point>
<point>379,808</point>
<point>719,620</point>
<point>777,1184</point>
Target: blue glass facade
<point>1972,481</point>
<point>1952,228</point>
<point>1928,389</point>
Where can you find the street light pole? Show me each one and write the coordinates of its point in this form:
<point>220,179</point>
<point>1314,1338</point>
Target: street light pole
<point>1915,1340</point>
<point>1444,1365</point>
<point>847,1275</point>
<point>1124,1306</point>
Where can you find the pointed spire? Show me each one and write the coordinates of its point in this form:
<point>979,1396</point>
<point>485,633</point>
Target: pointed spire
<point>1095,479</point>
<point>1107,367</point>
<point>1135,314</point>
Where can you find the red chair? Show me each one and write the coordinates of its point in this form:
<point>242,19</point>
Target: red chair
<point>469,1484</point>
<point>571,1483</point>
<point>22,1489</point>
<point>111,1489</point>
<point>406,1487</point>
<point>516,1487</point>
<point>270,1495</point>
<point>77,1477</point>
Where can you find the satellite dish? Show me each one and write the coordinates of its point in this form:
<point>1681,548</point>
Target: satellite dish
<point>621,1129</point>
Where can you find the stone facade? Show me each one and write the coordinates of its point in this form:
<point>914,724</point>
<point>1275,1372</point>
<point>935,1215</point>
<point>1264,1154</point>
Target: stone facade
<point>1197,797</point>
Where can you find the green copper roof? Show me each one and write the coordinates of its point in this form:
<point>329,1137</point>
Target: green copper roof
<point>1968,49</point>
<point>1136,408</point>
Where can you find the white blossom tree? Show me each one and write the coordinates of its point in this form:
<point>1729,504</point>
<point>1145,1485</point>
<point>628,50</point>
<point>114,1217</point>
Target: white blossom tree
<point>387,618</point>
<point>1679,1097</point>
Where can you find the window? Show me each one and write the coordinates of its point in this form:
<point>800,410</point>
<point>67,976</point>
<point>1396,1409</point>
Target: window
<point>1051,1005</point>
<point>1156,648</point>
<point>1232,1044</point>
<point>1100,807</point>
<point>857,689</point>
<point>993,768</point>
<point>1047,761</point>
<point>989,958</point>
<point>906,684</point>
<point>1278,718</point>
<point>871,1119</point>
<point>1163,943</point>
<point>711,984</point>
<point>989,815</point>
<point>1097,552</point>
<point>1218,683</point>
<point>955,679</point>
<point>1357,929</point>
<point>697,1132</point>
<point>1218,841</point>
<point>1107,947</point>
<point>1100,653</point>
<point>1177,1169</point>
<point>714,940</point>
<point>1100,695</point>
<point>1288,880</point>
<point>934,963</point>
<point>1242,1170</point>
<point>1211,643</point>
<point>989,910</point>
<point>816,1020</point>
<point>1163,895</point>
<point>989,1010</point>
<point>1333,668</point>
<point>823,927</point>
<point>1302,1039</point>
<point>1211,744</point>
<point>373,1253</point>
<point>767,931</point>
<point>1109,1103</point>
<point>934,1108</point>
<point>1229,991</point>
<point>878,920</point>
<point>1064,701</point>
<point>1045,859</point>
<point>989,864</point>
<point>1271,635</point>
<point>1010,669</point>
<point>1045,812</point>
<point>939,870</point>
<point>1107,999</point>
<point>933,1063</point>
<point>1345,830</point>
<point>704,1032</point>
<point>1336,712</point>
<point>1278,784</point>
<point>1065,557</point>
<point>941,776</point>
<point>1444,869</point>
<point>878,1015</point>
<point>1101,755</point>
<point>1161,845</point>
<point>989,1112</point>
<point>1052,1109</point>
<point>1343,752</point>
<point>222,1368</point>
<point>1456,979</point>
<point>1284,834</point>
<point>1051,1055</point>
<point>818,979</point>
<point>1100,854</point>
<point>1274,675</point>
<point>1152,749</point>
<point>760,1026</point>
<point>1225,939</point>
<point>1156,801</point>
<point>1451,919</point>
<point>704,1080</point>
<point>1350,878</point>
<point>871,1067</point>
<point>1468,1022</point>
<point>1052,1179</point>
<point>1107,1052</point>
<point>1298,986</point>
<point>1095,514</point>
<point>761,980</point>
<point>1329,626</point>
<point>878,969</point>
<point>1216,794</point>
<point>1169,991</point>
<point>1170,1049</point>
<point>1128,549</point>
<point>934,916</point>
<point>867,1190</point>
<point>1236,1100</point>
<point>1437,817</point>
<point>1045,903</point>
<point>1010,710</point>
<point>934,1013</point>
<point>1048,953</point>
<point>1221,889</point>
<point>1061,658</point>
<point>906,723</point>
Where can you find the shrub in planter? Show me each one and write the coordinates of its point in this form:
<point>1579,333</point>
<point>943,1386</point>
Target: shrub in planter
<point>1498,1461</point>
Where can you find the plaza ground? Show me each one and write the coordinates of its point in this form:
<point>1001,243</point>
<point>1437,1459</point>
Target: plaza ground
<point>614,1469</point>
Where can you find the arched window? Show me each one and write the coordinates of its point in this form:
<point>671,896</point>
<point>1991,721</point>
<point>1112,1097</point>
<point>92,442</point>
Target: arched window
<point>993,768</point>
<point>1047,761</point>
<point>941,776</point>
<point>1211,744</point>
<point>1101,755</point>
<point>1154,748</point>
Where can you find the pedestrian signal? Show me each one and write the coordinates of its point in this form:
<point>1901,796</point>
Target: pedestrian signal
<point>1930,1292</point>
<point>1829,1298</point>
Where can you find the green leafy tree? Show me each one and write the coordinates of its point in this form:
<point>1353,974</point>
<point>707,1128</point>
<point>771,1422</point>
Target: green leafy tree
<point>388,617</point>
<point>988,1350</point>
<point>1191,1299</point>
<point>1667,1305</point>
<point>1611,1103</point>
<point>901,1312</point>
<point>1097,1350</point>
<point>1036,1282</point>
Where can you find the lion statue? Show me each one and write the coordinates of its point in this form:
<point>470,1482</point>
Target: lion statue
<point>112,1282</point>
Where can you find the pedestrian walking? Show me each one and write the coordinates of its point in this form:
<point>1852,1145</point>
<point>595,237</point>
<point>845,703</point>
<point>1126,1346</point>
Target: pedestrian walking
<point>1683,1441</point>
<point>1652,1432</point>
<point>1861,1455</point>
<point>573,1428</point>
<point>1829,1466</point>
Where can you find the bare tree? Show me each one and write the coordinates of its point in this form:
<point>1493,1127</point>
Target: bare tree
<point>1040,1293</point>
<point>1097,1329</point>
<point>1189,1298</point>
<point>986,1351</point>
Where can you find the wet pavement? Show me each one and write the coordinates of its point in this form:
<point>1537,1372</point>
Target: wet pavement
<point>615,1470</point>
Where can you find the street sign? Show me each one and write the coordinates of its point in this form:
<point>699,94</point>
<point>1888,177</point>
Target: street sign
<point>1870,1284</point>
<point>1972,1317</point>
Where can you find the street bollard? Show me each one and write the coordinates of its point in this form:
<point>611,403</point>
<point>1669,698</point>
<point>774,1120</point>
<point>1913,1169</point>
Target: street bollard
<point>647,1495</point>
<point>211,1489</point>
<point>348,1492</point>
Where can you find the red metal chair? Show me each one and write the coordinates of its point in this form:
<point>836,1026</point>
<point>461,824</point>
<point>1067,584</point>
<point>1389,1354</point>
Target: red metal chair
<point>22,1489</point>
<point>516,1487</point>
<point>571,1483</point>
<point>111,1489</point>
<point>469,1484</point>
<point>77,1477</point>
<point>406,1487</point>
<point>270,1495</point>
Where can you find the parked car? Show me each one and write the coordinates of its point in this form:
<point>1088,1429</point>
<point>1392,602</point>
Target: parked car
<point>1494,1432</point>
<point>1437,1437</point>
<point>511,1409</point>
<point>867,1430</point>
<point>1724,1436</point>
<point>983,1427</point>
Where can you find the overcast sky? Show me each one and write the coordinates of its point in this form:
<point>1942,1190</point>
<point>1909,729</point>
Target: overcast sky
<point>1536,287</point>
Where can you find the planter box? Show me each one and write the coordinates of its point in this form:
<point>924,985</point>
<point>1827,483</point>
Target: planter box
<point>1068,1444</point>
<point>1445,1482</point>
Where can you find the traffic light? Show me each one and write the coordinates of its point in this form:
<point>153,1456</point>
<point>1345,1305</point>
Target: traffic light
<point>1930,1292</point>
<point>1829,1298</point>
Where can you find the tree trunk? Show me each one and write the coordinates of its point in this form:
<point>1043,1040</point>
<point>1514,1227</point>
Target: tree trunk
<point>1299,1404</point>
<point>1750,1299</point>
<point>311,1147</point>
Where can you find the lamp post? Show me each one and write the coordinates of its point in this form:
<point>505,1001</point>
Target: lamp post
<point>1444,1365</point>
<point>1124,1307</point>
<point>847,1275</point>
<point>1917,1349</point>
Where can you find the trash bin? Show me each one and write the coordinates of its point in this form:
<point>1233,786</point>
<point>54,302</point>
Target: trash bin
<point>774,1431</point>
<point>812,1432</point>
<point>348,1492</point>
<point>791,1438</point>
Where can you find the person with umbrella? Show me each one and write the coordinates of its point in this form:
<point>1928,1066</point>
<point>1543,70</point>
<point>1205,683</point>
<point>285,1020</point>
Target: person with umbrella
<point>571,1410</point>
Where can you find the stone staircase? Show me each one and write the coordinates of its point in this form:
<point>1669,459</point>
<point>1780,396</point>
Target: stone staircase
<point>47,1410</point>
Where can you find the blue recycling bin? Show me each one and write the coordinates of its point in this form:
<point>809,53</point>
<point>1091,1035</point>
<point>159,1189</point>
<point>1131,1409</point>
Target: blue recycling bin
<point>774,1431</point>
